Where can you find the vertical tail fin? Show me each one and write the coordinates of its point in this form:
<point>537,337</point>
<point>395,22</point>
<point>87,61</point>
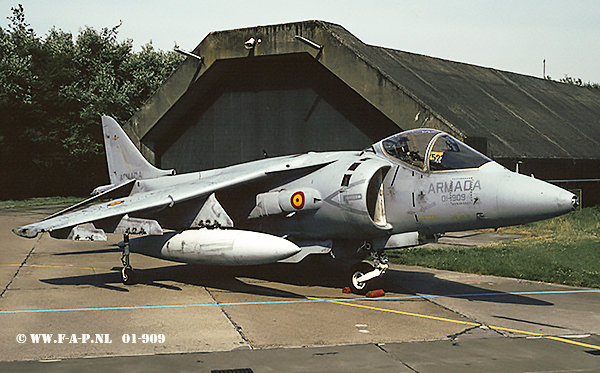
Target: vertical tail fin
<point>125,162</point>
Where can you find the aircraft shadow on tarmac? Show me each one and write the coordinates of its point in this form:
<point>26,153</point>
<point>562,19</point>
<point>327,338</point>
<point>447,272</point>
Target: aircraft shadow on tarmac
<point>428,285</point>
<point>310,272</point>
<point>101,251</point>
<point>223,278</point>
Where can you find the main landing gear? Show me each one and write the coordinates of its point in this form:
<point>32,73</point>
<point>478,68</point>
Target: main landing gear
<point>127,274</point>
<point>363,275</point>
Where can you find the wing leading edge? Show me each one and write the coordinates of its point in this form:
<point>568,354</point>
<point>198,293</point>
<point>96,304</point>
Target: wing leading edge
<point>141,202</point>
<point>156,200</point>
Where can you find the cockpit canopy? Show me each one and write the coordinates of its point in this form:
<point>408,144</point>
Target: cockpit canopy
<point>430,150</point>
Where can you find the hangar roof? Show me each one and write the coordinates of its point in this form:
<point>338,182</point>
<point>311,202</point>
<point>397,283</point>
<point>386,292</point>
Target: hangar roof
<point>519,116</point>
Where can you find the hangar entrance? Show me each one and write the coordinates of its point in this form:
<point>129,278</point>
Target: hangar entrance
<point>240,109</point>
<point>243,125</point>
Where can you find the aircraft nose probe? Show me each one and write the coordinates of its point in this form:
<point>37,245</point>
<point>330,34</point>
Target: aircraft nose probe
<point>575,202</point>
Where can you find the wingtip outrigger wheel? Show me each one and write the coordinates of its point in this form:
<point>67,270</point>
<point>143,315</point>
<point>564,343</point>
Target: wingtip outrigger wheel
<point>127,274</point>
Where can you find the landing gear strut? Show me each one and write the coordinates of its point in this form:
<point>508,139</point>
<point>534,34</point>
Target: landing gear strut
<point>127,274</point>
<point>363,274</point>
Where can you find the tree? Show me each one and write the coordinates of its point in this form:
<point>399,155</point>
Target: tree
<point>53,90</point>
<point>577,82</point>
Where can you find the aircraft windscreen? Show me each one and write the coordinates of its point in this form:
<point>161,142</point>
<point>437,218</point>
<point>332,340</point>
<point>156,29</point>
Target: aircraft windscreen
<point>446,153</point>
<point>409,147</point>
<point>450,154</point>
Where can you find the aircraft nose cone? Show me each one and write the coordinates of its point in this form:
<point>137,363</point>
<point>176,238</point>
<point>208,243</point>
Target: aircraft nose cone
<point>525,199</point>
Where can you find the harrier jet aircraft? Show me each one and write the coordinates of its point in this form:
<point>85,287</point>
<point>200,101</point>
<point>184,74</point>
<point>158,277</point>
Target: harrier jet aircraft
<point>403,191</point>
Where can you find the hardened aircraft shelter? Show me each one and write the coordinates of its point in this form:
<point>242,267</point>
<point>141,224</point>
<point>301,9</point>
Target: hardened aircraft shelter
<point>313,86</point>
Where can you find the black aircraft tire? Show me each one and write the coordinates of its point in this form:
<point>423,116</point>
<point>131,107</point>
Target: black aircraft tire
<point>127,276</point>
<point>357,271</point>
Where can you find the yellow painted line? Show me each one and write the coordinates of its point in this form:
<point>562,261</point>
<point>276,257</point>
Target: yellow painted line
<point>49,266</point>
<point>559,339</point>
<point>572,342</point>
<point>401,312</point>
<point>517,331</point>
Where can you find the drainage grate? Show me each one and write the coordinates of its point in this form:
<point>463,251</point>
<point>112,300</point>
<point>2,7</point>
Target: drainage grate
<point>243,370</point>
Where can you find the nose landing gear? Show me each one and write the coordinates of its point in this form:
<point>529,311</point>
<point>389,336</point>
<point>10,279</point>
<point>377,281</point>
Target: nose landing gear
<point>363,275</point>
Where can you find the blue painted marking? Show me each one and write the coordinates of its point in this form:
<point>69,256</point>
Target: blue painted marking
<point>164,306</point>
<point>407,297</point>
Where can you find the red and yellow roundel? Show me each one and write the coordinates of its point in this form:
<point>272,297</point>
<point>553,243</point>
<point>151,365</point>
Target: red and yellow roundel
<point>297,200</point>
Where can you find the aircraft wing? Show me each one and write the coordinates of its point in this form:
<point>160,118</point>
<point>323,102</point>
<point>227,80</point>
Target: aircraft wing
<point>147,201</point>
<point>159,199</point>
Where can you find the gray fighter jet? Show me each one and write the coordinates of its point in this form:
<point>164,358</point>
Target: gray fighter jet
<point>403,191</point>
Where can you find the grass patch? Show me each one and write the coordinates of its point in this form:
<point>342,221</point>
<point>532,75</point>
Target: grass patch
<point>564,250</point>
<point>41,201</point>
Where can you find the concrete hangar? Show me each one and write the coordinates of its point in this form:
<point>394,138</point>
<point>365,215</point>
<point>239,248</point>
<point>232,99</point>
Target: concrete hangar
<point>313,86</point>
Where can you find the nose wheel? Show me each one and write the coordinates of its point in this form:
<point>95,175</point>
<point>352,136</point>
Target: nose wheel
<point>358,271</point>
<point>127,274</point>
<point>364,274</point>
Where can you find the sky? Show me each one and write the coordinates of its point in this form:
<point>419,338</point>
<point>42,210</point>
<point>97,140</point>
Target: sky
<point>510,35</point>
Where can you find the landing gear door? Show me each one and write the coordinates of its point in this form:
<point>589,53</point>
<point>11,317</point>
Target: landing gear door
<point>376,199</point>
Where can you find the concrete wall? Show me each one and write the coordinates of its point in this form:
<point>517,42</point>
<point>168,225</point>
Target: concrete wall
<point>240,125</point>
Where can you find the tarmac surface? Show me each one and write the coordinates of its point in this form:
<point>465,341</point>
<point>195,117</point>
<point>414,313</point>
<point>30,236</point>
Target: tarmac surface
<point>63,307</point>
